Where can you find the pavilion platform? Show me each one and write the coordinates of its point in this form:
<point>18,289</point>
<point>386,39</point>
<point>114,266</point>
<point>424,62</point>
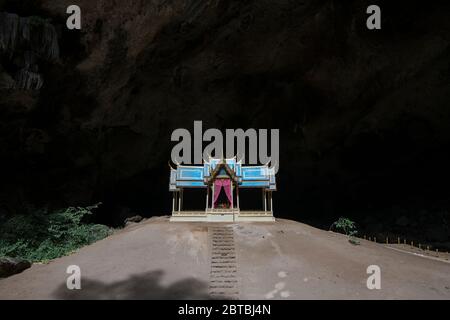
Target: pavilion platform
<point>221,215</point>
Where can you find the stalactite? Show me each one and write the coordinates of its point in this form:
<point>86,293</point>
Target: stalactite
<point>9,27</point>
<point>6,81</point>
<point>34,32</point>
<point>49,47</point>
<point>28,80</point>
<point>30,37</point>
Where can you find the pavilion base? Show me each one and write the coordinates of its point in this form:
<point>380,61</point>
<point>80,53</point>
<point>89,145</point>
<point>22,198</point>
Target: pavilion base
<point>223,216</point>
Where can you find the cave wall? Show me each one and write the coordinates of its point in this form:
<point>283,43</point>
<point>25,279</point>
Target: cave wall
<point>363,114</point>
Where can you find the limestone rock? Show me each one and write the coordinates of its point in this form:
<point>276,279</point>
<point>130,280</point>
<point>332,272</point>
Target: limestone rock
<point>12,266</point>
<point>133,220</point>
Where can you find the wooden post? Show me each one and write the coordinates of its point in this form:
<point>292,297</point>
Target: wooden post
<point>207,198</point>
<point>237,198</point>
<point>213,196</point>
<point>181,200</point>
<point>264,200</point>
<point>173,202</point>
<point>232,196</point>
<point>271,202</point>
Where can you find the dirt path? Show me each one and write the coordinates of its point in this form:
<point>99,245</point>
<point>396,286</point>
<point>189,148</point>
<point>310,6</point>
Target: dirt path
<point>283,260</point>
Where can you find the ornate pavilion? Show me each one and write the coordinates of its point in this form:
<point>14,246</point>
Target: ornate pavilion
<point>222,179</point>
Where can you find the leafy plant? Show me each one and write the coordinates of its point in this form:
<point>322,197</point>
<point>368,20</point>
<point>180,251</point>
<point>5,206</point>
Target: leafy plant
<point>43,236</point>
<point>348,227</point>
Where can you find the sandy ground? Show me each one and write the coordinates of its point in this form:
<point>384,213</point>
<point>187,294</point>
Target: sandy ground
<point>282,260</point>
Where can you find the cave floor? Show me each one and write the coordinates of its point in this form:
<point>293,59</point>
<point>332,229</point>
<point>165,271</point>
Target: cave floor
<point>283,260</point>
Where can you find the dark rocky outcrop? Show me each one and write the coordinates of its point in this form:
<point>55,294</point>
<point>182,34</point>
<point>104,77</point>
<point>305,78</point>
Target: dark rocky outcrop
<point>12,266</point>
<point>132,220</point>
<point>23,42</point>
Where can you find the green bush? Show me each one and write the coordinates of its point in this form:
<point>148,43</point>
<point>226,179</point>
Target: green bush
<point>43,235</point>
<point>348,227</point>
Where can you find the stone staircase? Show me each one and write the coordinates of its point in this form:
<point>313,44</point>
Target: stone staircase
<point>224,282</point>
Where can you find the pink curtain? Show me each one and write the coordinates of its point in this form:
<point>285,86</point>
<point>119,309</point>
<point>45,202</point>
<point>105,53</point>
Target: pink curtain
<point>229,192</point>
<point>217,190</point>
<point>227,186</point>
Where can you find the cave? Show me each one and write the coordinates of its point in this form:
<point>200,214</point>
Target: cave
<point>363,115</point>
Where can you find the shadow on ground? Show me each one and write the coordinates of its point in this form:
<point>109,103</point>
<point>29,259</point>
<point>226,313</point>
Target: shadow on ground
<point>145,286</point>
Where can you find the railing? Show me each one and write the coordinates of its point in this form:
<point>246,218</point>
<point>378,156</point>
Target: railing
<point>255,213</point>
<point>223,211</point>
<point>411,246</point>
<point>252,213</point>
<point>190,213</point>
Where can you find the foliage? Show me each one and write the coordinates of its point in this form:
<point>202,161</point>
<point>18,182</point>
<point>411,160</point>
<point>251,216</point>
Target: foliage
<point>348,227</point>
<point>42,236</point>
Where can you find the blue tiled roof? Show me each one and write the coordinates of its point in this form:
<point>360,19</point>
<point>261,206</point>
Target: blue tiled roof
<point>198,176</point>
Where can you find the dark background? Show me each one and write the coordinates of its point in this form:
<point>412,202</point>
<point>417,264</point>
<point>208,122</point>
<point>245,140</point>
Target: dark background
<point>364,115</point>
